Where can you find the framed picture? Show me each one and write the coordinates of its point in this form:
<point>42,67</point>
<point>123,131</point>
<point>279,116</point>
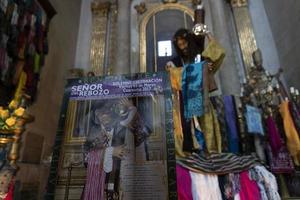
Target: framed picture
<point>131,115</point>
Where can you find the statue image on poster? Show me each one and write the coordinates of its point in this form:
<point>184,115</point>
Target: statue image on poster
<point>115,130</point>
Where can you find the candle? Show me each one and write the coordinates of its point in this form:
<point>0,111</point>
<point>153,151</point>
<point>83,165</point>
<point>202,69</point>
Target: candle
<point>292,89</point>
<point>277,86</point>
<point>297,92</point>
<point>244,80</point>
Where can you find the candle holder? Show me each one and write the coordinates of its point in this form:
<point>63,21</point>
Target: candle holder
<point>12,124</point>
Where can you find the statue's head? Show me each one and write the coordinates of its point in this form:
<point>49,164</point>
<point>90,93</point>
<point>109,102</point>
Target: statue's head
<point>257,59</point>
<point>185,45</point>
<point>180,41</point>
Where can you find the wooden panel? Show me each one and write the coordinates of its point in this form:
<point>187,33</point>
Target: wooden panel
<point>33,147</point>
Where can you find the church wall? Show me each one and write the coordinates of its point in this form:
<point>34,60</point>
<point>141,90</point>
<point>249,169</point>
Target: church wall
<point>263,35</point>
<point>284,21</point>
<point>62,43</point>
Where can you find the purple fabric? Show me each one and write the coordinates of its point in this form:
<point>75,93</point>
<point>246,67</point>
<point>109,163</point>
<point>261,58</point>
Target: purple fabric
<point>231,121</point>
<point>184,183</point>
<point>274,137</point>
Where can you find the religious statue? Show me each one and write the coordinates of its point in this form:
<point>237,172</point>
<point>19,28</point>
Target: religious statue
<point>107,145</point>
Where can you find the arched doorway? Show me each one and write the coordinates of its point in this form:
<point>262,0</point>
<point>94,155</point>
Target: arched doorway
<point>156,31</point>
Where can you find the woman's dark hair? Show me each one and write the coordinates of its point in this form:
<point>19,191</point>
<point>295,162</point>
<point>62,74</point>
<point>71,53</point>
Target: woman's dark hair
<point>195,44</point>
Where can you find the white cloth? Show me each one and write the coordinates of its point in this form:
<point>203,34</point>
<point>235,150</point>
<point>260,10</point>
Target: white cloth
<point>237,197</point>
<point>108,161</point>
<point>108,155</point>
<point>205,187</point>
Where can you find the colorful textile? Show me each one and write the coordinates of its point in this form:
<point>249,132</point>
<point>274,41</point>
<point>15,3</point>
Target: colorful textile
<point>10,194</point>
<point>215,53</point>
<point>231,121</point>
<point>254,122</point>
<point>21,85</point>
<point>282,162</point>
<point>184,183</point>
<point>176,77</point>
<point>295,116</point>
<point>274,137</point>
<point>211,130</point>
<point>225,187</point>
<point>192,90</point>
<point>266,182</point>
<point>178,134</point>
<point>293,141</point>
<point>246,140</point>
<point>249,188</point>
<point>200,139</point>
<point>218,104</point>
<point>221,163</point>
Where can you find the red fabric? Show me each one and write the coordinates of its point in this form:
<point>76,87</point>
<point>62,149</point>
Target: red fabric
<point>10,194</point>
<point>184,183</point>
<point>249,188</point>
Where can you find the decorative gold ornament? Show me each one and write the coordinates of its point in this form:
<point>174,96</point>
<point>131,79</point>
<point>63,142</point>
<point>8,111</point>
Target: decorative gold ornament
<point>196,2</point>
<point>12,125</point>
<point>98,43</point>
<point>140,8</point>
<point>239,3</point>
<point>169,1</point>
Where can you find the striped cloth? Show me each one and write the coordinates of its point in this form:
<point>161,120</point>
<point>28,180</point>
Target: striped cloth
<point>95,180</point>
<point>222,163</point>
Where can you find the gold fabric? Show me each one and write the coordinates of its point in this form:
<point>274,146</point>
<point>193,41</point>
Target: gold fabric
<point>211,130</point>
<point>293,141</point>
<point>21,85</point>
<point>176,77</point>
<point>215,53</point>
<point>178,134</point>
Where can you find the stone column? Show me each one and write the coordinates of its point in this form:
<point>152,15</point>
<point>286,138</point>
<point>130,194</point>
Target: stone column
<point>122,58</point>
<point>223,31</point>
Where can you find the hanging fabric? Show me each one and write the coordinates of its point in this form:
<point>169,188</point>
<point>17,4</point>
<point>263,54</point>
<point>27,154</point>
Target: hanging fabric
<point>192,90</point>
<point>254,121</point>
<point>218,105</point>
<point>274,137</point>
<point>249,188</point>
<point>293,141</point>
<point>219,163</point>
<point>205,187</point>
<point>184,183</point>
<point>282,162</point>
<point>231,120</point>
<point>211,130</point>
<point>266,182</point>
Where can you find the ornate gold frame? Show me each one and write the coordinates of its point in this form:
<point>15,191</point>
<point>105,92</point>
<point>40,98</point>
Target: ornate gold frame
<point>70,122</point>
<point>145,21</point>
